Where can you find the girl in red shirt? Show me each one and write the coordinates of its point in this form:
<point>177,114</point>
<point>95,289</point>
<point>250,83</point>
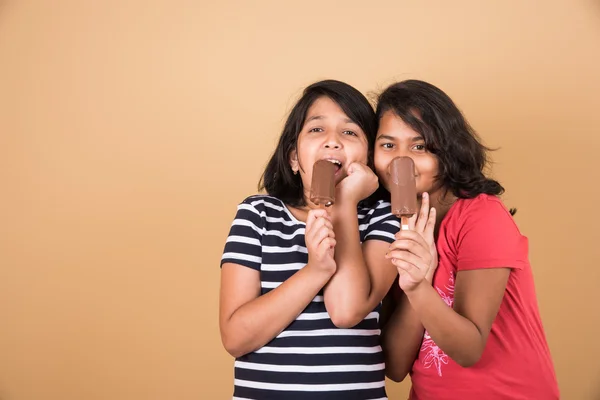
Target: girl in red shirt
<point>470,329</point>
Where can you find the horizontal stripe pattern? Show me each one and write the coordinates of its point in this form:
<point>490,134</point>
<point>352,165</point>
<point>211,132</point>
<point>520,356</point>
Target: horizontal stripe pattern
<point>309,368</point>
<point>311,358</point>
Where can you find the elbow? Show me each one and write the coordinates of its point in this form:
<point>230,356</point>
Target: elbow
<point>344,322</point>
<point>345,319</point>
<point>395,375</point>
<point>346,312</point>
<point>234,350</point>
<point>396,371</point>
<point>234,347</point>
<point>469,360</point>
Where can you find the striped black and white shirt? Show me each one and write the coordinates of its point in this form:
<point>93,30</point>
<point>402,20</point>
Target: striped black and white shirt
<point>312,358</point>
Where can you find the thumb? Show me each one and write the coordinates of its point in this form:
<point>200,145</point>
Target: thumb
<point>357,166</point>
<point>351,168</point>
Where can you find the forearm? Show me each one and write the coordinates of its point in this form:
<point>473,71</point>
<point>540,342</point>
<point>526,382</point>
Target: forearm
<point>457,336</point>
<point>259,321</point>
<point>347,293</point>
<point>401,340</point>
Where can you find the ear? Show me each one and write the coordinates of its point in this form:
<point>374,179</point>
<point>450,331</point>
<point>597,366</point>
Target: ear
<point>294,161</point>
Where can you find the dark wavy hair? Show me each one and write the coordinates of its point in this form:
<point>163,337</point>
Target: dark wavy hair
<point>278,179</point>
<point>447,134</point>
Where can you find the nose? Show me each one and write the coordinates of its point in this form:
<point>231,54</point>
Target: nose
<point>403,153</point>
<point>333,141</point>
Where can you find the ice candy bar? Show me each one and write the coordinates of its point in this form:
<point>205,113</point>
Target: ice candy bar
<point>322,189</point>
<point>403,189</point>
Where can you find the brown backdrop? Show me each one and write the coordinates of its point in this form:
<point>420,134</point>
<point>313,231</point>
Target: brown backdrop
<point>129,131</point>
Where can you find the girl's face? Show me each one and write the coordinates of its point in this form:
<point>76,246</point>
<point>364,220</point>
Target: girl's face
<point>328,134</point>
<point>395,138</point>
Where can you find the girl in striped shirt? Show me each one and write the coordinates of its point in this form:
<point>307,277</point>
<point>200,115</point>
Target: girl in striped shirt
<point>299,303</point>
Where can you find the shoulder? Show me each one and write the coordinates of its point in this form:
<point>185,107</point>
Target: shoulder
<point>378,222</point>
<point>484,207</point>
<point>485,235</point>
<point>380,208</point>
<point>255,210</point>
<point>268,213</point>
<point>262,200</point>
<point>378,212</point>
<point>262,204</point>
<point>482,218</point>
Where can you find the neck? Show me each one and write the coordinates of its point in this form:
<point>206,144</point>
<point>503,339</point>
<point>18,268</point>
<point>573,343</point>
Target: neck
<point>441,200</point>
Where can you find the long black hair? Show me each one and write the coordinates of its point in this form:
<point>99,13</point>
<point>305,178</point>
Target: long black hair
<point>278,180</point>
<point>447,134</point>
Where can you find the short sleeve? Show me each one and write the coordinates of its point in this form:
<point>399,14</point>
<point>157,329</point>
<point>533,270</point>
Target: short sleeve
<point>383,225</point>
<point>489,238</point>
<point>244,243</point>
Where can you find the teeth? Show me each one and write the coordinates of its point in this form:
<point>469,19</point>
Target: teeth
<point>336,162</point>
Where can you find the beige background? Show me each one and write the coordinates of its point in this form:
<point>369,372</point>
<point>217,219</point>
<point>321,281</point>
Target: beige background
<point>129,131</point>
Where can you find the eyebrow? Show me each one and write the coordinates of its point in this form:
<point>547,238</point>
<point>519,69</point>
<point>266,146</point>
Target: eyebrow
<point>319,117</point>
<point>393,138</point>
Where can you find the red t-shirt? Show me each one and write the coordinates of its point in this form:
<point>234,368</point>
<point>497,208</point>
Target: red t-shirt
<point>516,363</point>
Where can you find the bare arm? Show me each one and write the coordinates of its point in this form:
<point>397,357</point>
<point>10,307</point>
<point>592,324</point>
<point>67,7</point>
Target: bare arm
<point>461,332</point>
<point>350,286</point>
<point>401,339</point>
<point>248,320</point>
<point>364,275</point>
<point>402,335</point>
